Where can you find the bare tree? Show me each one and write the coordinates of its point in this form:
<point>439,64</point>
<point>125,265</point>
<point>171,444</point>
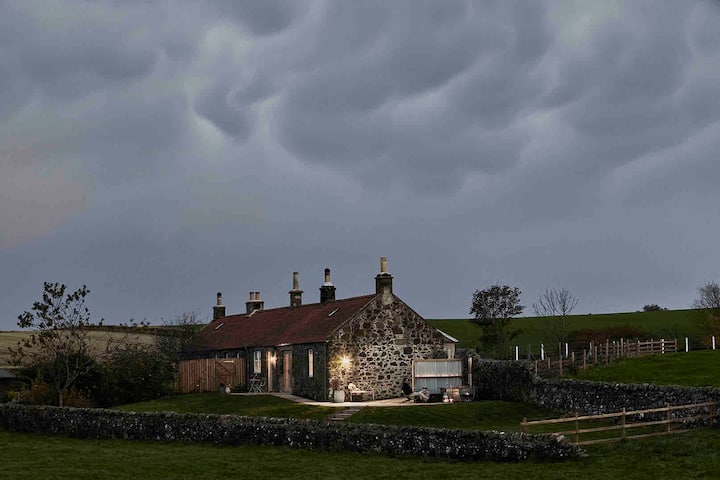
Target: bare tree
<point>552,307</point>
<point>174,339</point>
<point>709,299</point>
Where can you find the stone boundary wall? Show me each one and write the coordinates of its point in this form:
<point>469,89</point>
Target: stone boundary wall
<point>443,444</point>
<point>513,381</point>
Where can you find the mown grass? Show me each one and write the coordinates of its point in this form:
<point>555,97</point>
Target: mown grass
<point>481,415</point>
<point>694,369</point>
<point>691,455</point>
<point>215,403</point>
<point>665,323</point>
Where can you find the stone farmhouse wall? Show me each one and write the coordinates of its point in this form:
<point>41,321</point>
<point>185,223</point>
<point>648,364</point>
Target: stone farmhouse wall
<point>381,342</point>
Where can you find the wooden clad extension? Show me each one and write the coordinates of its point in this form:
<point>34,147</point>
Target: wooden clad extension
<point>208,374</point>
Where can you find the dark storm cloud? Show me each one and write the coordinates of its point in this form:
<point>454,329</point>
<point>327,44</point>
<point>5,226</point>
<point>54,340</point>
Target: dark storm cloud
<point>160,152</point>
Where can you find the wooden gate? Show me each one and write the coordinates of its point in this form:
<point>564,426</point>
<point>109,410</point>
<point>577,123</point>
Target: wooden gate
<point>208,374</point>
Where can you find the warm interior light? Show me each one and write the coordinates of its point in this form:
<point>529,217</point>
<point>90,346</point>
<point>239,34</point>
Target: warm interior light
<point>345,361</point>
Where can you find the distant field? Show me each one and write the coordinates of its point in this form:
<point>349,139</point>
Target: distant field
<point>98,337</point>
<point>662,324</point>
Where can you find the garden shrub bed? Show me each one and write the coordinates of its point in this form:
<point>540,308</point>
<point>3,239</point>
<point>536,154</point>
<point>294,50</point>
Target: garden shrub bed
<point>436,443</point>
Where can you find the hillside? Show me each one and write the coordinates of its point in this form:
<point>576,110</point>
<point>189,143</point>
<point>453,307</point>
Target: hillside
<point>660,324</point>
<point>99,337</point>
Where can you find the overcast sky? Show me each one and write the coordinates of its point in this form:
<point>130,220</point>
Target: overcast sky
<point>160,152</point>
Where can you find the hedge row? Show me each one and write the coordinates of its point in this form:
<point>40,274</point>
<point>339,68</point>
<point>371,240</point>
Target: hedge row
<point>306,434</point>
<point>513,381</point>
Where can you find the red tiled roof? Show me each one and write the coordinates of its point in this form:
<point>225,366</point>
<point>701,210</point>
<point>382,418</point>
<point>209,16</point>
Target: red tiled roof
<point>286,325</point>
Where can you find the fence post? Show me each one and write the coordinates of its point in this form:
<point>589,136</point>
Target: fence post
<point>713,342</point>
<point>577,428</point>
<point>542,352</point>
<point>517,353</point>
<point>667,416</point>
<point>662,346</point>
<point>572,359</point>
<point>524,425</point>
<point>584,360</point>
<point>607,351</point>
<point>622,420</point>
<point>687,345</point>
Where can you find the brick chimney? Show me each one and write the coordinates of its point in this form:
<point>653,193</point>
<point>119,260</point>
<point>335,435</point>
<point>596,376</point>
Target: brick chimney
<point>295,293</point>
<point>219,308</point>
<point>254,303</point>
<point>327,291</point>
<point>383,282</point>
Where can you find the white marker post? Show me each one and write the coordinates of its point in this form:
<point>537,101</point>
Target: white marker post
<point>542,352</point>
<point>517,353</point>
<point>687,345</point>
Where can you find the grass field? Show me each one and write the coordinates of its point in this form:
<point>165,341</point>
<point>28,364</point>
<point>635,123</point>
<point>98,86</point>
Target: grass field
<point>666,323</point>
<point>691,455</point>
<point>695,369</point>
<point>97,337</point>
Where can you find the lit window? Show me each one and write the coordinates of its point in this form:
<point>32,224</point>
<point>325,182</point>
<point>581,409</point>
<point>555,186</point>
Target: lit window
<point>257,361</point>
<point>311,366</point>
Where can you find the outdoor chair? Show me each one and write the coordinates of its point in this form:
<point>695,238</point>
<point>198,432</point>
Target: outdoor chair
<point>354,390</point>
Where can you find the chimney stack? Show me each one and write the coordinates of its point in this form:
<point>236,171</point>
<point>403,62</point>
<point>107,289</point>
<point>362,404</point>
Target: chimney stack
<point>383,282</point>
<point>219,308</point>
<point>327,291</point>
<point>295,293</point>
<point>254,303</point>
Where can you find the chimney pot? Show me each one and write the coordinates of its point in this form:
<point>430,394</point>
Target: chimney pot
<point>295,293</point>
<point>327,291</point>
<point>219,308</point>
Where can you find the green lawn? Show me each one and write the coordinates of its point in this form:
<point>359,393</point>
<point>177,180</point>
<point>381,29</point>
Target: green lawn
<point>216,403</point>
<point>481,415</point>
<point>699,368</point>
<point>692,455</point>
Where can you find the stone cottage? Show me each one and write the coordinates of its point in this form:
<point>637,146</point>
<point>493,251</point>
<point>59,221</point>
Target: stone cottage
<point>370,341</point>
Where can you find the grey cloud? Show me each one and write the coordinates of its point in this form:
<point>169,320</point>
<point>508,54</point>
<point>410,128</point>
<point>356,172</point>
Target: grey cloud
<point>261,17</point>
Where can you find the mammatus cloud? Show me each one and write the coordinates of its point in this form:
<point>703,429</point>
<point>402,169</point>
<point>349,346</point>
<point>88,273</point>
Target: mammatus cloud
<point>158,152</point>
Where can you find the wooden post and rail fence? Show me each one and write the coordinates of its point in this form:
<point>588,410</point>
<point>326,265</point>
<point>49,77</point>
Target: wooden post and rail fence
<point>602,354</point>
<point>666,420</point>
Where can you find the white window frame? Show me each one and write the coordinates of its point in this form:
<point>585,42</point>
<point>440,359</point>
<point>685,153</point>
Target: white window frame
<point>311,363</point>
<point>257,361</point>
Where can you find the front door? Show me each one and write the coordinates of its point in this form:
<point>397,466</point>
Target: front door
<point>287,372</point>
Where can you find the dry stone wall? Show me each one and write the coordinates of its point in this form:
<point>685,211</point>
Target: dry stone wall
<point>443,444</point>
<point>380,343</point>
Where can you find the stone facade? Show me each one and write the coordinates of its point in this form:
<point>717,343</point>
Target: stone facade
<point>379,344</point>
